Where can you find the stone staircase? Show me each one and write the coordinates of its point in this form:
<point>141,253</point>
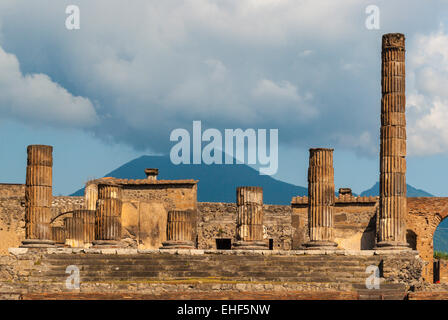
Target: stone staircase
<point>157,267</point>
<point>201,273</point>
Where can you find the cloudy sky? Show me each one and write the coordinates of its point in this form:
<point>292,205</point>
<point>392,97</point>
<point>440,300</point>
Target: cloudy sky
<point>114,89</point>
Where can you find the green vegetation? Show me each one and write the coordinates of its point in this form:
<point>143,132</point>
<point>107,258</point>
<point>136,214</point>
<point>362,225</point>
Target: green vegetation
<point>441,255</point>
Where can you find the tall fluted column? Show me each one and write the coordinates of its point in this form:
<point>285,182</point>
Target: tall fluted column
<point>249,219</point>
<point>179,230</point>
<point>108,215</point>
<point>321,199</point>
<point>38,196</point>
<point>393,205</point>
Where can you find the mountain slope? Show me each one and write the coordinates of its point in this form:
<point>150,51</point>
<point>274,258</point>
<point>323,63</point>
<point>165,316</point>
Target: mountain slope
<point>217,183</point>
<point>411,191</point>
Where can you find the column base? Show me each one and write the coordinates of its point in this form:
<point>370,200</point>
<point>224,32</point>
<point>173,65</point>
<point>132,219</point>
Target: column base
<point>392,245</point>
<point>104,244</point>
<point>37,243</point>
<point>177,245</point>
<point>250,245</point>
<point>321,245</point>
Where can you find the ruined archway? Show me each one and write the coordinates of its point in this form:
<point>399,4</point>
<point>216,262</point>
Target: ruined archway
<point>440,245</point>
<point>425,215</point>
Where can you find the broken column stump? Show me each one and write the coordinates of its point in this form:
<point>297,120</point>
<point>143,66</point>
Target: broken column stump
<point>38,197</point>
<point>321,199</point>
<point>108,215</point>
<point>179,230</point>
<point>249,220</point>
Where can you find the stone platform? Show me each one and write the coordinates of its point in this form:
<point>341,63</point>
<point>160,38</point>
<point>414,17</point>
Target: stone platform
<point>206,274</point>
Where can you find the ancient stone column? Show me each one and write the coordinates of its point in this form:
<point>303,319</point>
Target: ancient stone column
<point>58,236</point>
<point>108,215</point>
<point>88,225</point>
<point>249,219</point>
<point>74,232</point>
<point>38,196</point>
<point>151,173</point>
<point>393,206</point>
<point>179,230</point>
<point>321,199</point>
<point>91,195</point>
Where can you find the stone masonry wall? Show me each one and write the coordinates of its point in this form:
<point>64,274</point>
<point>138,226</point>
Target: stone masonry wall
<point>218,220</point>
<point>145,209</point>
<point>12,213</point>
<point>179,197</point>
<point>425,214</point>
<point>12,216</point>
<point>354,223</point>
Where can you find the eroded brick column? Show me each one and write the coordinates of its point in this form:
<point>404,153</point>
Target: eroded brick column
<point>393,206</point>
<point>38,196</point>
<point>321,199</point>
<point>108,215</point>
<point>179,230</point>
<point>249,219</point>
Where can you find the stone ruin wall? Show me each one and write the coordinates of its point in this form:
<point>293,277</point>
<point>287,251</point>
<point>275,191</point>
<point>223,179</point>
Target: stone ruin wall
<point>218,221</point>
<point>12,213</point>
<point>145,210</point>
<point>12,216</point>
<point>425,214</point>
<point>174,197</point>
<point>355,222</point>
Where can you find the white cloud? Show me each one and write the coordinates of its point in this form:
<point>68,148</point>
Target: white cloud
<point>427,100</point>
<point>35,99</point>
<point>280,99</point>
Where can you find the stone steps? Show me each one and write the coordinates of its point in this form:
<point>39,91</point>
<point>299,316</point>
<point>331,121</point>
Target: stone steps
<point>159,272</point>
<point>180,267</point>
<point>178,274</point>
<point>160,266</point>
